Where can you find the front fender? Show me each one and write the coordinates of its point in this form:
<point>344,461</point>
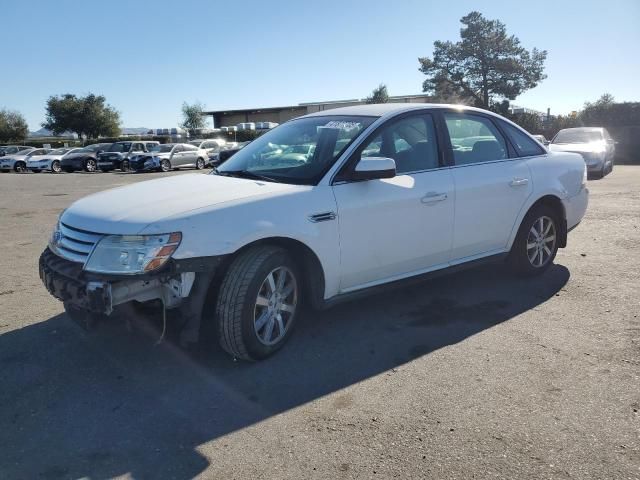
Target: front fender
<point>226,228</point>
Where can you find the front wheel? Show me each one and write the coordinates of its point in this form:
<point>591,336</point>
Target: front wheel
<point>200,164</point>
<point>20,167</point>
<point>257,303</point>
<point>55,167</point>
<point>124,166</point>
<point>90,165</point>
<point>536,244</point>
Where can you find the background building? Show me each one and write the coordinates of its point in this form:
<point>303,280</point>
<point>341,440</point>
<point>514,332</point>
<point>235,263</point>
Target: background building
<point>223,118</point>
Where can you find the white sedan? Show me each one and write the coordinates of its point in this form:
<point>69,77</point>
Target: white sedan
<point>389,192</point>
<point>48,162</point>
<point>18,161</point>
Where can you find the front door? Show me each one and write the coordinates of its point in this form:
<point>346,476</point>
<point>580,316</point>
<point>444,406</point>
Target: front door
<point>397,227</point>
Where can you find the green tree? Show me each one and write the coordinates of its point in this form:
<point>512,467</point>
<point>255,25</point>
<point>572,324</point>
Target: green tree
<point>13,126</point>
<point>379,95</point>
<point>193,116</point>
<point>487,64</point>
<point>89,115</point>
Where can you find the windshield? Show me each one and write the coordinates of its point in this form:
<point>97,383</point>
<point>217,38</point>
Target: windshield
<point>299,151</point>
<point>162,148</point>
<point>577,136</point>
<point>120,147</point>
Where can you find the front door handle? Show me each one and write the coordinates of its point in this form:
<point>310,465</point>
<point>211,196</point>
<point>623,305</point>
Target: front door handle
<point>517,182</point>
<point>433,197</point>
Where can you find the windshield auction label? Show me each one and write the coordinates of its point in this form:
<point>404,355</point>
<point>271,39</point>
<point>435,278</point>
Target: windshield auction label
<point>343,125</point>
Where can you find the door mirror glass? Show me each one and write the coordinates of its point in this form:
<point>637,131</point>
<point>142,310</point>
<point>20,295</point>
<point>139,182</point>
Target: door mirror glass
<point>371,168</point>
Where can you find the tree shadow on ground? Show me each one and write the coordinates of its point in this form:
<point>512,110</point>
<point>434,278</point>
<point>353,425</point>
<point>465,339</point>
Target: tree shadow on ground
<point>109,402</point>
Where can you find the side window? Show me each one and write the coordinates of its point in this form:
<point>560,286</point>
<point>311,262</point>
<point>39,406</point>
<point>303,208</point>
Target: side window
<point>474,139</point>
<point>411,142</point>
<point>178,149</point>
<point>525,145</point>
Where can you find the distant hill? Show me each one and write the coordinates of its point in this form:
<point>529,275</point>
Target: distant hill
<point>43,132</point>
<point>135,131</point>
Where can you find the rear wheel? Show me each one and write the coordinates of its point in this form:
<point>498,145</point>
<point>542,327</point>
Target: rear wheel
<point>90,165</point>
<point>536,244</point>
<point>200,164</point>
<point>165,165</point>
<point>257,303</point>
<point>20,167</point>
<point>55,167</point>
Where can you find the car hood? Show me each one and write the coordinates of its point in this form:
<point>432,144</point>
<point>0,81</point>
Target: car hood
<point>575,147</point>
<point>128,210</point>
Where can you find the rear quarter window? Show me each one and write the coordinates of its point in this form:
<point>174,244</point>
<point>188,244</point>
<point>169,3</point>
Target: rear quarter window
<point>525,145</point>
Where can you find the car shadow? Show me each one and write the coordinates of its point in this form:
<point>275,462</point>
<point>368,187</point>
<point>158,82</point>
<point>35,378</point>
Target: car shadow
<point>110,402</point>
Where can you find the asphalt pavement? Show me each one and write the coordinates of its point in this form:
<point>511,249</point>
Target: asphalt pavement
<point>474,375</point>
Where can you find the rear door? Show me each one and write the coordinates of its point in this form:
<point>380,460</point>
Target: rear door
<point>492,185</point>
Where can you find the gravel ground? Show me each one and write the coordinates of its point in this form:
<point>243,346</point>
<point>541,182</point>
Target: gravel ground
<point>475,375</point>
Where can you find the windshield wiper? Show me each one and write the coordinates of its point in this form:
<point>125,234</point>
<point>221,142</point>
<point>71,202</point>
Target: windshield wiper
<point>244,174</point>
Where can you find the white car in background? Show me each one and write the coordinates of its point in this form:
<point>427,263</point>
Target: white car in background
<point>50,161</point>
<point>211,146</point>
<point>594,144</point>
<point>390,192</point>
<point>18,161</point>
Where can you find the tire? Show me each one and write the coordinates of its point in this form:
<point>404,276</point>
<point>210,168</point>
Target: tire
<point>20,167</point>
<point>253,320</point>
<point>90,165</point>
<point>165,165</point>
<point>199,164</point>
<point>531,254</point>
<point>55,167</point>
<point>124,166</point>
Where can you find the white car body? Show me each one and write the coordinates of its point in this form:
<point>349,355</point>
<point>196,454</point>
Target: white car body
<point>362,233</point>
<point>43,163</point>
<point>8,162</point>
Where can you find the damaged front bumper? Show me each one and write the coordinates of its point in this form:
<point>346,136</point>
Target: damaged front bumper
<point>99,293</point>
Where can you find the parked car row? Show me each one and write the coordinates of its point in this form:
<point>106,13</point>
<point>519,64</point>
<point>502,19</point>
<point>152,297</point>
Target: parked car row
<point>125,156</point>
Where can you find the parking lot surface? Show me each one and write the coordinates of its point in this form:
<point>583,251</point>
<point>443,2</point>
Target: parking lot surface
<point>475,375</point>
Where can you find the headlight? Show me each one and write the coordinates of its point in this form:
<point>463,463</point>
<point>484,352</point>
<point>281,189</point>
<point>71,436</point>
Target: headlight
<point>132,254</point>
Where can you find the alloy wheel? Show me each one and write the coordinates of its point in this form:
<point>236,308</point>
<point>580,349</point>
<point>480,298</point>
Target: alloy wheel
<point>275,305</point>
<point>91,165</point>
<point>55,167</point>
<point>541,241</point>
<point>20,167</point>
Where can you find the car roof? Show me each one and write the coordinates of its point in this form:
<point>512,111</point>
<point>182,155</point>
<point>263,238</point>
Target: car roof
<point>382,109</point>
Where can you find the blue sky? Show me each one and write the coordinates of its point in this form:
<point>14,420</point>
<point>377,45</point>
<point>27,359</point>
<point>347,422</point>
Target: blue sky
<point>149,57</point>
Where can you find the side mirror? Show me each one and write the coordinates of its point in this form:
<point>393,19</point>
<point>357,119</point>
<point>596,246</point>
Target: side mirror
<point>547,143</point>
<point>372,168</point>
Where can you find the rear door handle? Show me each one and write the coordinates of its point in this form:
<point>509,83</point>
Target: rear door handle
<point>517,182</point>
<point>433,197</point>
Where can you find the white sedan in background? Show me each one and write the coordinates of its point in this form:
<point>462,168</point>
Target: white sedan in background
<point>18,161</point>
<point>50,161</point>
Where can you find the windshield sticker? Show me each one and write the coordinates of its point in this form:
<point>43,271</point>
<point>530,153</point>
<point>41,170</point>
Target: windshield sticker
<point>343,125</point>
